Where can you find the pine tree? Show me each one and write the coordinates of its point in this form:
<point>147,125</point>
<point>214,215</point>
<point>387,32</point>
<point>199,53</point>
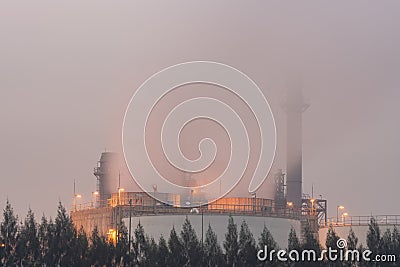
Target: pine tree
<point>331,242</point>
<point>331,238</point>
<point>81,250</point>
<point>231,245</point>
<point>152,253</point>
<point>8,235</point>
<point>163,252</point>
<point>191,245</point>
<point>20,249</point>
<point>374,237</point>
<point>396,242</point>
<point>65,237</point>
<point>293,240</point>
<point>387,245</point>
<point>98,250</point>
<point>266,239</point>
<point>50,256</point>
<point>247,246</point>
<point>122,246</point>
<point>175,246</point>
<point>212,251</point>
<point>294,245</point>
<point>352,240</point>
<point>386,242</point>
<point>42,237</point>
<point>140,245</point>
<point>362,263</point>
<point>28,248</point>
<point>352,244</point>
<point>311,243</point>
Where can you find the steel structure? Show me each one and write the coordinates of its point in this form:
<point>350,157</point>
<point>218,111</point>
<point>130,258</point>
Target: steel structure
<point>317,208</point>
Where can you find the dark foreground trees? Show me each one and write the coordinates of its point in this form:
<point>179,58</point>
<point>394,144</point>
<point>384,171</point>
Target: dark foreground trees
<point>231,244</point>
<point>213,255</point>
<point>9,232</point>
<point>57,243</point>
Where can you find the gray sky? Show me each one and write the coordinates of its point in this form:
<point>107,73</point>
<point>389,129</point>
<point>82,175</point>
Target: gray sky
<point>68,70</point>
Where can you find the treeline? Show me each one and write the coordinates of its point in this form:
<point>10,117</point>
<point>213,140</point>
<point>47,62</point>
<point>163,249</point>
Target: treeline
<point>57,243</point>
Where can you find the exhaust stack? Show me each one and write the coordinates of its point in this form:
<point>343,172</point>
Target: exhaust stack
<point>295,106</point>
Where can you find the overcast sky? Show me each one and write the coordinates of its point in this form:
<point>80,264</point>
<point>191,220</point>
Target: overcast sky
<point>69,68</point>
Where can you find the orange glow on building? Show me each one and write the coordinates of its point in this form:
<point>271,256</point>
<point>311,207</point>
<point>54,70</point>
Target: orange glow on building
<point>112,236</point>
<point>242,204</point>
<point>142,199</point>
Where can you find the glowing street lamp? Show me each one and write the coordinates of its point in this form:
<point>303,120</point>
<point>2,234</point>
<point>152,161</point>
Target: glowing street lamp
<point>289,207</point>
<point>312,206</point>
<point>75,197</point>
<point>119,195</point>
<point>337,212</point>
<point>344,215</point>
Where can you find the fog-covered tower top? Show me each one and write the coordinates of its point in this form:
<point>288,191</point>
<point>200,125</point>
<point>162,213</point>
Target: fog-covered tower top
<point>295,106</point>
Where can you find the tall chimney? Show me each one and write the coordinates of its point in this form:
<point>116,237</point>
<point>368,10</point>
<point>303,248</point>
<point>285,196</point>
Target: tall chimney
<point>295,106</point>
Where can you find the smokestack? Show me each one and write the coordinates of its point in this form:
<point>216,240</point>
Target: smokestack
<point>295,106</point>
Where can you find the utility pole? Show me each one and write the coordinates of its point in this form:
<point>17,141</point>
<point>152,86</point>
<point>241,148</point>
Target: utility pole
<point>202,226</point>
<point>130,228</point>
<point>202,233</point>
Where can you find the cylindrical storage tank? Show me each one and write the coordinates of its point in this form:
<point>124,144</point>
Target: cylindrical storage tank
<point>107,175</point>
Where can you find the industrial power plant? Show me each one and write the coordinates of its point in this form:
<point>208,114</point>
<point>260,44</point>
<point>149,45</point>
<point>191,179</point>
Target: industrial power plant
<point>113,207</point>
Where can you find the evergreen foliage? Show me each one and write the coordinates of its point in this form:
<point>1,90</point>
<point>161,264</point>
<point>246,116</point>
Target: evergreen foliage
<point>191,246</point>
<point>231,244</point>
<point>247,247</point>
<point>212,251</point>
<point>57,243</point>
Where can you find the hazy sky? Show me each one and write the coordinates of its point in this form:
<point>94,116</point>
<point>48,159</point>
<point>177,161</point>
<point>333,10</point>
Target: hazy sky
<point>69,68</point>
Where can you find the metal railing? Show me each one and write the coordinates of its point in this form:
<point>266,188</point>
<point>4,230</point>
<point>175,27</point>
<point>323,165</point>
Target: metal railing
<point>362,220</point>
<point>223,209</point>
